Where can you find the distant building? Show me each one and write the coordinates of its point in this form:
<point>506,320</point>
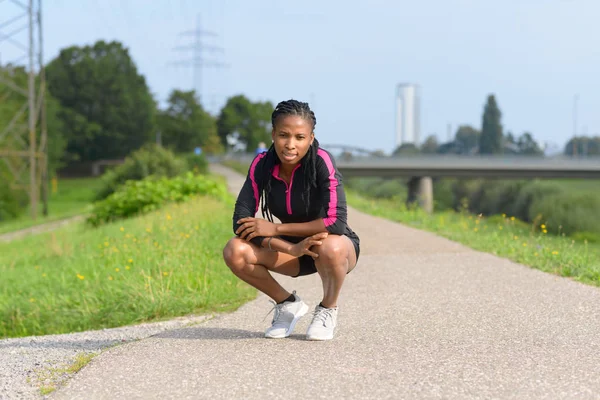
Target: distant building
<point>408,123</point>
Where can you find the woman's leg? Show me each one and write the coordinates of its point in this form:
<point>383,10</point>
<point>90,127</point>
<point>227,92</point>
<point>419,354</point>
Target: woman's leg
<point>252,265</point>
<point>337,257</point>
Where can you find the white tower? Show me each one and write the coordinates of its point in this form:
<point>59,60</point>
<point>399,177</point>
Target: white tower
<point>407,114</point>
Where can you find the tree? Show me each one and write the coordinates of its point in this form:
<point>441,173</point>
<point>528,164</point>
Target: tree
<point>107,109</point>
<point>406,149</point>
<point>430,146</point>
<point>467,139</point>
<point>490,141</point>
<point>528,146</point>
<point>185,125</point>
<point>249,122</point>
<point>584,146</point>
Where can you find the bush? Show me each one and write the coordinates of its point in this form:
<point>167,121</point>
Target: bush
<point>12,202</point>
<point>530,194</point>
<point>197,163</point>
<point>378,188</point>
<point>150,160</point>
<point>140,197</point>
<point>568,212</point>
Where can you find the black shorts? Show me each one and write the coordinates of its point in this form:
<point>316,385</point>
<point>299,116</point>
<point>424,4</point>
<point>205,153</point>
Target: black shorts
<point>307,263</point>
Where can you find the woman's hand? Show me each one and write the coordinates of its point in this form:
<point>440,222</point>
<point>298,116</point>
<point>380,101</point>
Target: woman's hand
<point>303,247</point>
<point>252,227</point>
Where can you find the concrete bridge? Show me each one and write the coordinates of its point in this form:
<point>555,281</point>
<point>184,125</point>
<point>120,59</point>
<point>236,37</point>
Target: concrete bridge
<point>421,168</point>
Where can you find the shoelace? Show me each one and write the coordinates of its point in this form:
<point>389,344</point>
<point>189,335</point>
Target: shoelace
<point>321,314</point>
<point>277,308</point>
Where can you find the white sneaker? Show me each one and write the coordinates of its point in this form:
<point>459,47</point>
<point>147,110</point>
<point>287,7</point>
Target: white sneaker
<point>285,318</point>
<point>323,324</point>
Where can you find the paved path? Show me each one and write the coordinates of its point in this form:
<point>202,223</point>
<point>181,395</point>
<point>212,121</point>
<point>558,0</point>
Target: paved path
<point>420,317</point>
<point>44,227</point>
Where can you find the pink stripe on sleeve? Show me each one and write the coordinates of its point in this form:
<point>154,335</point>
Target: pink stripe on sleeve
<point>252,178</point>
<point>333,183</point>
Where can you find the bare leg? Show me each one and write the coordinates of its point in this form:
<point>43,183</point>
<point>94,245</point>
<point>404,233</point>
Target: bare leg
<point>252,264</point>
<point>336,258</point>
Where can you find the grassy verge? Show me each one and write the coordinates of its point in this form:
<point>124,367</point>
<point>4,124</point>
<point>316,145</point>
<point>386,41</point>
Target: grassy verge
<point>72,197</point>
<point>164,264</point>
<point>500,235</point>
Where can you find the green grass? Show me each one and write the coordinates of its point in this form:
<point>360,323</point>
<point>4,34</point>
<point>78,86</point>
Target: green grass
<point>48,379</point>
<point>164,264</point>
<point>72,197</point>
<point>500,235</point>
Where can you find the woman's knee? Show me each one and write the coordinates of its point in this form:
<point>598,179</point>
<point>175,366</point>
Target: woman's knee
<point>236,253</point>
<point>332,252</point>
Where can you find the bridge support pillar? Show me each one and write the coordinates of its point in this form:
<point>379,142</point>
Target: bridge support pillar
<point>420,190</point>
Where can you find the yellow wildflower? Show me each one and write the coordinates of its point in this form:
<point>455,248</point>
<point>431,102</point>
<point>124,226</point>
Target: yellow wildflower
<point>122,229</point>
<point>555,253</point>
<point>81,276</point>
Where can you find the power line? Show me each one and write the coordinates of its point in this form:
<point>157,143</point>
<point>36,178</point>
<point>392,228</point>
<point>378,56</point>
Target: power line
<point>197,61</point>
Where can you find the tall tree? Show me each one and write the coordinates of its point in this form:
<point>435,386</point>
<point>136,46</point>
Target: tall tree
<point>430,145</point>
<point>250,122</point>
<point>185,125</point>
<point>491,131</point>
<point>528,146</point>
<point>107,109</point>
<point>467,139</point>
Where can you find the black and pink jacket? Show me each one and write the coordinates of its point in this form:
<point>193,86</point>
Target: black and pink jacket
<point>328,200</point>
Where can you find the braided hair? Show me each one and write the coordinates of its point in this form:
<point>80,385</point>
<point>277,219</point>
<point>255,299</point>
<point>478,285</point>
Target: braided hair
<point>284,109</point>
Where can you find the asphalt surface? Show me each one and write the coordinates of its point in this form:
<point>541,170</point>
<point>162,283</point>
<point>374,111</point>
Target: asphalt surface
<point>420,317</point>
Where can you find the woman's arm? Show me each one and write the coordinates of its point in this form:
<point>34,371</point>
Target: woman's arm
<point>334,198</point>
<point>248,200</point>
<point>301,228</point>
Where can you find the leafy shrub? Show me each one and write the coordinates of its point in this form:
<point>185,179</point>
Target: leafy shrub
<point>568,212</point>
<point>378,188</point>
<point>197,163</point>
<point>139,197</point>
<point>150,160</point>
<point>532,193</point>
<point>12,202</point>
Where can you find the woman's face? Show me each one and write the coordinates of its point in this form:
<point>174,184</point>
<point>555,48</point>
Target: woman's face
<point>292,136</point>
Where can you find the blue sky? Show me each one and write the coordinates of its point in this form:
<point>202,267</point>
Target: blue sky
<point>346,57</point>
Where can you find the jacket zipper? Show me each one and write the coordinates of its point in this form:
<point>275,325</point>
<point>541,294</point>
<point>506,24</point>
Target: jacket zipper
<point>288,189</point>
